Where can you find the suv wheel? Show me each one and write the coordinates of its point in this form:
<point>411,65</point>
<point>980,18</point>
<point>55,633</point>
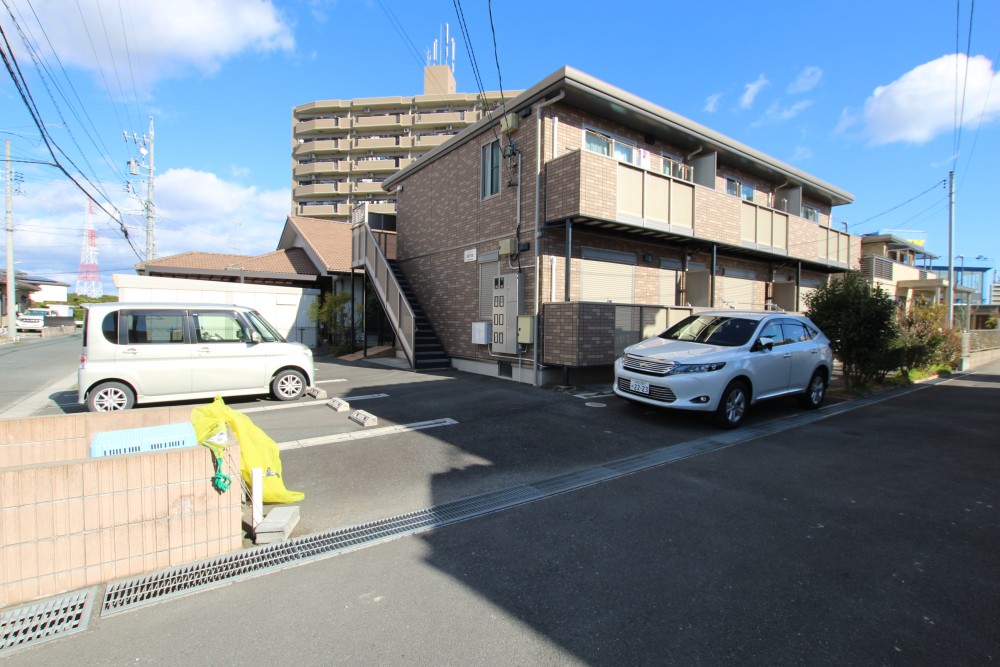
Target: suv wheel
<point>815,391</point>
<point>733,404</point>
<point>288,385</point>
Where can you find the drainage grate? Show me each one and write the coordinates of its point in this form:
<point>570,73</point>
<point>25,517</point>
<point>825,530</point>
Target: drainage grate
<point>50,619</point>
<point>164,584</point>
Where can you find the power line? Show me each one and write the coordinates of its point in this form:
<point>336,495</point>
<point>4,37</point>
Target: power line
<point>960,109</point>
<point>14,70</point>
<point>401,32</point>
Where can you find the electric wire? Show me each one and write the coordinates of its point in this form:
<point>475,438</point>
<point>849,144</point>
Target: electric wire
<point>102,149</point>
<point>401,32</point>
<point>10,62</point>
<point>960,109</point>
<point>42,69</point>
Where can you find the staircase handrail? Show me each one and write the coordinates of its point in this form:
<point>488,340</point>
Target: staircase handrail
<point>366,253</point>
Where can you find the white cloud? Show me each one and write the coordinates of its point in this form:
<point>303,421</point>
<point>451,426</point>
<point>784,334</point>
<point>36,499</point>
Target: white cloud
<point>149,41</point>
<point>807,79</point>
<point>751,91</point>
<point>779,114</point>
<point>801,154</point>
<point>920,105</point>
<point>712,103</point>
<point>196,211</point>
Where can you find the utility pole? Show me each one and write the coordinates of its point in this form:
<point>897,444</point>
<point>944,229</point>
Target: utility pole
<point>150,218</point>
<point>11,312</point>
<point>951,250</point>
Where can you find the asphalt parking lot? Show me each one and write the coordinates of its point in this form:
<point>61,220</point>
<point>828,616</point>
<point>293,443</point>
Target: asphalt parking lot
<point>490,434</point>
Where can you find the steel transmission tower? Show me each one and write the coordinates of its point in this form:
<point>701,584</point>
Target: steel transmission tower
<point>88,276</point>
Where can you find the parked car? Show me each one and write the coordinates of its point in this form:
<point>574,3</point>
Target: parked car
<point>33,318</point>
<point>723,362</point>
<point>137,353</point>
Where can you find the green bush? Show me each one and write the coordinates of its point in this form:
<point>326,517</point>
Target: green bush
<point>860,322</point>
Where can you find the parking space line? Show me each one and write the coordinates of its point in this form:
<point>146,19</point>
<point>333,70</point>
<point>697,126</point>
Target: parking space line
<point>311,404</point>
<point>367,433</point>
<point>329,381</point>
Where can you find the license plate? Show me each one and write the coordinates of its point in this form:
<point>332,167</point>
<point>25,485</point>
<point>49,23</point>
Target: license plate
<point>638,386</point>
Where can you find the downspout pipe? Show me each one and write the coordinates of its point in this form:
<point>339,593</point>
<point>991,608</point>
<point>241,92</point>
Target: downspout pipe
<point>538,225</point>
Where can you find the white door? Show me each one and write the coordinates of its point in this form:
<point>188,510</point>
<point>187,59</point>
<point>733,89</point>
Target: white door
<point>771,367</point>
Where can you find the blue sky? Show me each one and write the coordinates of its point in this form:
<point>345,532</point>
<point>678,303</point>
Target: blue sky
<point>840,90</point>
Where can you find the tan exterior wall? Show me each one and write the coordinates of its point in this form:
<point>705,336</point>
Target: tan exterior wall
<point>441,216</point>
<point>68,521</point>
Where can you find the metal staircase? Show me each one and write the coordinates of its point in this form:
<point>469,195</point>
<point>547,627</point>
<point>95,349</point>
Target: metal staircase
<point>416,336</point>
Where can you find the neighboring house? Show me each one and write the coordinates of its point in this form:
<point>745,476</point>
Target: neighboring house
<point>967,275</point>
<point>344,149</point>
<point>30,289</point>
<point>313,257</point>
<point>581,218</point>
<point>904,270</point>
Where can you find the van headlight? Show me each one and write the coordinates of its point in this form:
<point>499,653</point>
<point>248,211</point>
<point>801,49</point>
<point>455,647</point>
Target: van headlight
<point>695,368</point>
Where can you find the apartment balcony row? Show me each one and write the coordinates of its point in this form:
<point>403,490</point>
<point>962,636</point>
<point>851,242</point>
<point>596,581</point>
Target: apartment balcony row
<point>389,142</point>
<point>372,105</point>
<point>344,167</point>
<point>583,185</point>
<point>340,211</point>
<point>321,189</point>
<point>455,120</point>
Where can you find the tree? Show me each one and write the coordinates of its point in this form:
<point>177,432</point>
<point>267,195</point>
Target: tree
<point>860,322</point>
<point>332,313</point>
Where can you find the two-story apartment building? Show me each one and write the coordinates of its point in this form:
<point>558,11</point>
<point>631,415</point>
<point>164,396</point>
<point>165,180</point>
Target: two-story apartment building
<point>581,217</point>
<point>342,150</point>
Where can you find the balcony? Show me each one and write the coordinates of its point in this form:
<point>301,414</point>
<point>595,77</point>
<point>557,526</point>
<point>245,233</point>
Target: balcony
<point>317,189</point>
<point>320,125</point>
<point>322,146</point>
<point>441,118</point>
<point>587,185</point>
<point>367,188</point>
<point>378,165</point>
<point>325,210</point>
<point>326,167</point>
<point>381,121</point>
<point>430,140</point>
<point>371,143</point>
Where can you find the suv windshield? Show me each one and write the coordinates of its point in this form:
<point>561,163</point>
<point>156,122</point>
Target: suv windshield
<point>712,330</point>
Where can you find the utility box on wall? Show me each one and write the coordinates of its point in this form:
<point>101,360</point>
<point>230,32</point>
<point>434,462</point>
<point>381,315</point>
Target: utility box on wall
<point>508,303</point>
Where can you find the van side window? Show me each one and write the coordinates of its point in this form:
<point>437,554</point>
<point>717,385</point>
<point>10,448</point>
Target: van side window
<point>219,327</point>
<point>109,326</point>
<point>144,327</point>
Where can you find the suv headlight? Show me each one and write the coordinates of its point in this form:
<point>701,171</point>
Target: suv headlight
<point>695,368</point>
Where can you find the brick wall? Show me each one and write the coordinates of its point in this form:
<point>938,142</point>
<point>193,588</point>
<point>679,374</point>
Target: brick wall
<point>68,521</point>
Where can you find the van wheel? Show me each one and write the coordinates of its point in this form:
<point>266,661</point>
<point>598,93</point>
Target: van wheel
<point>288,385</point>
<point>733,405</point>
<point>813,396</point>
<point>110,397</point>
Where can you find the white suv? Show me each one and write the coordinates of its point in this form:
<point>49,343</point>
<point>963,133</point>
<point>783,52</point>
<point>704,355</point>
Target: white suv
<point>724,361</point>
<point>136,353</point>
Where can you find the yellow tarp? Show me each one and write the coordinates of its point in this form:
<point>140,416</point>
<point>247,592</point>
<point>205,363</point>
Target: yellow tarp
<point>257,449</point>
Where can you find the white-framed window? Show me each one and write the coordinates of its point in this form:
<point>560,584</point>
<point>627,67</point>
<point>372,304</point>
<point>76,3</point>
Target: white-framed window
<point>490,170</point>
<point>809,213</point>
<point>602,143</point>
<point>739,189</point>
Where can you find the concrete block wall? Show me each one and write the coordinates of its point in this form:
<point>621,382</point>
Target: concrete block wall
<point>68,521</point>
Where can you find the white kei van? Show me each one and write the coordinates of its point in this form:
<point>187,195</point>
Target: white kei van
<point>145,352</point>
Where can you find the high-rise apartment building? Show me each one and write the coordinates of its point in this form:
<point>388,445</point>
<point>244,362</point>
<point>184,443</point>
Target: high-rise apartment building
<point>342,150</point>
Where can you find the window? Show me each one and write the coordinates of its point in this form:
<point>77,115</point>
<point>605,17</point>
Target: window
<point>603,144</point>
<point>809,213</point>
<point>739,189</point>
<point>597,143</point>
<point>675,167</point>
<point>152,327</point>
<point>220,327</point>
<point>491,169</point>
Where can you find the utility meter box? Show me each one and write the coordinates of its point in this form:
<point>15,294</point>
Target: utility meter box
<point>508,303</point>
<point>525,329</point>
